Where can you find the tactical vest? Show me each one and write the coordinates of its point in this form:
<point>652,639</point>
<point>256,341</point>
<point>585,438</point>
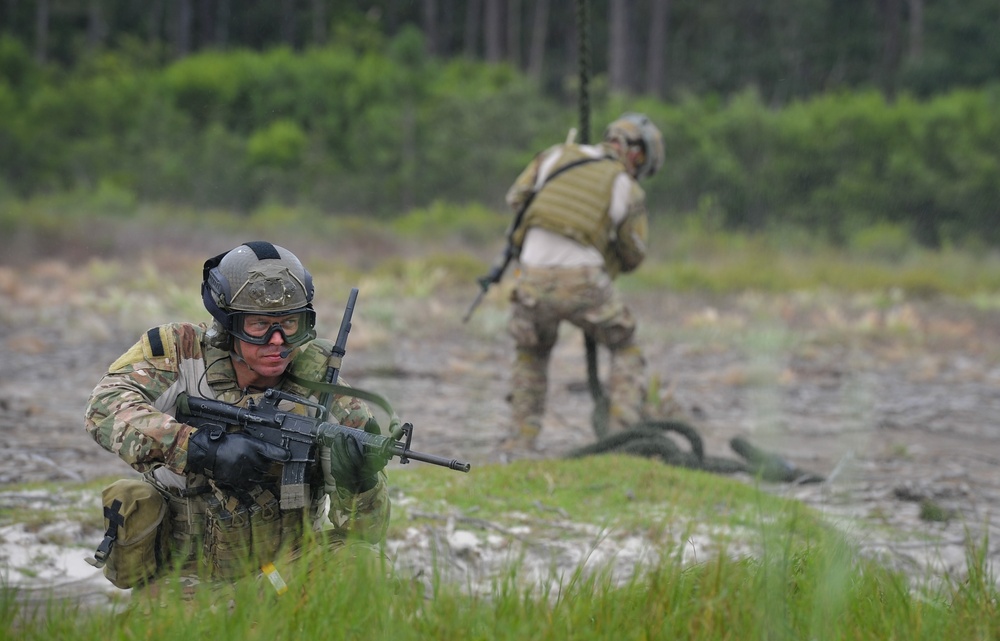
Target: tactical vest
<point>575,203</point>
<point>214,532</point>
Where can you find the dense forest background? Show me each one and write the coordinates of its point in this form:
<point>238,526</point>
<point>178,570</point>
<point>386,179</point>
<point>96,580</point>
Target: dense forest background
<point>824,115</point>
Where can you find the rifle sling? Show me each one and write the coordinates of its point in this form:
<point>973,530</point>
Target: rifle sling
<point>353,392</point>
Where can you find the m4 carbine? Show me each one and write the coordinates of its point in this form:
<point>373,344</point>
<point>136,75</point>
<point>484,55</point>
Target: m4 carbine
<point>300,435</point>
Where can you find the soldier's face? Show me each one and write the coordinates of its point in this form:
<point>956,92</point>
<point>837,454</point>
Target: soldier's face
<point>266,360</point>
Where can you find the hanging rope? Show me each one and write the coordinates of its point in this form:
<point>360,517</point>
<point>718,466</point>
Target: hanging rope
<point>583,60</point>
<point>602,405</point>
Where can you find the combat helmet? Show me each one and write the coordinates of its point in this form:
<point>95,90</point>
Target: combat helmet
<point>632,129</point>
<point>241,288</point>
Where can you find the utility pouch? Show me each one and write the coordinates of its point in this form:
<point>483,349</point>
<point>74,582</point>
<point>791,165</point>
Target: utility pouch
<point>265,526</point>
<point>228,538</point>
<point>136,540</point>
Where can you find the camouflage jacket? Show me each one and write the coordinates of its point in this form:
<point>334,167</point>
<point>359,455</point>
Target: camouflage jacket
<point>131,413</point>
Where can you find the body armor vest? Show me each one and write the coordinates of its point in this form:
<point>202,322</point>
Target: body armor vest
<point>575,203</point>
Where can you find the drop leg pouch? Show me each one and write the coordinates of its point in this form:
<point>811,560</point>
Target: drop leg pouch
<point>136,539</point>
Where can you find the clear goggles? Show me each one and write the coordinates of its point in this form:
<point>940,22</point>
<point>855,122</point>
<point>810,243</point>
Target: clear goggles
<point>257,328</point>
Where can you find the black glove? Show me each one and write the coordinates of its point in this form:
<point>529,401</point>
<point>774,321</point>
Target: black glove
<point>232,459</point>
<point>351,467</point>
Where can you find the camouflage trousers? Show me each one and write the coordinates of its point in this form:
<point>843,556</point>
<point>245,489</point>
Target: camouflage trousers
<point>585,297</point>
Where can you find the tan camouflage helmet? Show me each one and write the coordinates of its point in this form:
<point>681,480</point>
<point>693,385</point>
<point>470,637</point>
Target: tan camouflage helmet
<point>258,278</point>
<point>632,129</point>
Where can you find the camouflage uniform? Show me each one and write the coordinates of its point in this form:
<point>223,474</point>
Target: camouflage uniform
<point>131,414</point>
<point>582,228</point>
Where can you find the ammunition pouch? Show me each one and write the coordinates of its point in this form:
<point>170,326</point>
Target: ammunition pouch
<point>241,537</point>
<point>221,536</point>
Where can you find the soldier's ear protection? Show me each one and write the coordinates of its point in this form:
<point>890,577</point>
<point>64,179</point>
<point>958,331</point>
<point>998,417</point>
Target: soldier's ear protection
<point>213,281</point>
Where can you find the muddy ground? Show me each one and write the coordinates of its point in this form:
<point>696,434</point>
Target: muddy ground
<point>893,401</point>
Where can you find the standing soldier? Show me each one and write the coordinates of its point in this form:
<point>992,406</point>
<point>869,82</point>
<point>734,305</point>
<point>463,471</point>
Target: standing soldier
<point>583,222</point>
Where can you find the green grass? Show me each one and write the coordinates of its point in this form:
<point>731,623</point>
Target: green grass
<point>802,581</point>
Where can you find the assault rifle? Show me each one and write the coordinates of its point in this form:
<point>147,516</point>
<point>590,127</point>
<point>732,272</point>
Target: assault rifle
<point>299,434</point>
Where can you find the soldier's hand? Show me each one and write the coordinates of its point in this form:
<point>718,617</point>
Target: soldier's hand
<point>232,459</point>
<point>351,467</point>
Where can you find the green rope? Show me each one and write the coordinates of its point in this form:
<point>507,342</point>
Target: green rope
<point>602,404</point>
<point>649,439</point>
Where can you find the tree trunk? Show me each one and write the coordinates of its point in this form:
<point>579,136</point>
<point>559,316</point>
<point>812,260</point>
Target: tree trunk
<point>223,10</point>
<point>514,32</point>
<point>916,50</point>
<point>96,27</point>
<point>288,23</point>
<point>472,27</point>
<point>155,22</point>
<point>656,60</point>
<point>42,12</point>
<point>539,32</point>
<point>183,19</point>
<point>493,31</point>
<point>891,23</point>
<point>429,18</point>
<point>10,15</point>
<point>318,22</point>
<point>206,24</point>
<point>619,45</point>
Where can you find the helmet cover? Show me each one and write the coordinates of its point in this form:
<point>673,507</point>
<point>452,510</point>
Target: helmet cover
<point>256,277</point>
<point>637,129</point>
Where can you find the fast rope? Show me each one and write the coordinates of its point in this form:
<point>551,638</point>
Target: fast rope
<point>602,405</point>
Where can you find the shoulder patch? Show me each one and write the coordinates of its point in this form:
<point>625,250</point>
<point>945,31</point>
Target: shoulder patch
<point>159,346</point>
<point>155,342</point>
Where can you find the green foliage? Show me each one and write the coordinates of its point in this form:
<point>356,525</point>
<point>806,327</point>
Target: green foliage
<point>274,154</point>
<point>836,163</point>
<point>381,131</point>
<point>17,69</point>
<point>882,240</point>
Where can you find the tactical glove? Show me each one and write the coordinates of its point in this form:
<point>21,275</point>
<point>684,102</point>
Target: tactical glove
<point>351,467</point>
<point>232,459</point>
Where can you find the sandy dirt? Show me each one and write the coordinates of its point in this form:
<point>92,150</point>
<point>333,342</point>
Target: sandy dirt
<point>894,402</point>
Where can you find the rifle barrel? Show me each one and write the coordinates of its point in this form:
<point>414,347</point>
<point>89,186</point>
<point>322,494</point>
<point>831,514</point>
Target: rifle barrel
<point>473,306</point>
<point>451,464</point>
